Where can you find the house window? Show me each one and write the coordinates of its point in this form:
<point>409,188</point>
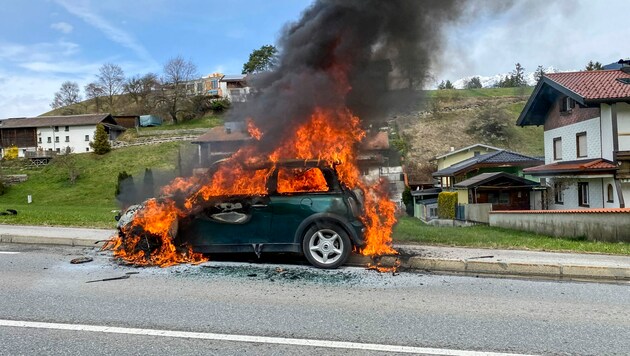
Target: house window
<point>87,149</point>
<point>49,140</point>
<point>610,194</point>
<point>583,194</point>
<point>87,138</point>
<point>67,138</point>
<point>581,144</point>
<point>557,148</point>
<point>214,84</point>
<point>199,87</point>
<point>558,189</point>
<point>67,128</point>
<point>504,198</point>
<point>433,212</point>
<point>566,104</point>
<point>39,139</point>
<point>58,150</point>
<point>57,139</point>
<point>56,128</point>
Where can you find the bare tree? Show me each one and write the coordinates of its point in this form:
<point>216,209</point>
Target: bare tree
<point>139,88</point>
<point>67,95</point>
<point>94,91</point>
<point>177,71</point>
<point>111,78</point>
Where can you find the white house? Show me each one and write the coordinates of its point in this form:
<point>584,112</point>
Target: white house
<point>586,118</point>
<point>44,134</point>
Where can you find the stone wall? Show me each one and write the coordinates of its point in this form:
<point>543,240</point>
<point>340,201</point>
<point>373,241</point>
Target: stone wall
<point>611,225</point>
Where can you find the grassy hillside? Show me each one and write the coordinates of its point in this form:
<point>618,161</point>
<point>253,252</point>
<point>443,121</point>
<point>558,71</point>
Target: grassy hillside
<point>90,201</point>
<point>445,118</point>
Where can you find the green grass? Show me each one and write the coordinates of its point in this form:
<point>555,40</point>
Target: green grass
<point>412,230</point>
<point>482,92</point>
<point>205,122</point>
<point>90,200</point>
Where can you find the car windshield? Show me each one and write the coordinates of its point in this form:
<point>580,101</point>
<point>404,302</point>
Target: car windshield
<point>295,180</point>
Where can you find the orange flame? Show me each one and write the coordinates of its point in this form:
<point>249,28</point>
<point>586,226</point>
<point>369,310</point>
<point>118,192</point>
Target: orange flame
<point>330,136</point>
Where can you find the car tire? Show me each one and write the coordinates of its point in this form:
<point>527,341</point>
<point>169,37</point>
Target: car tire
<point>326,245</point>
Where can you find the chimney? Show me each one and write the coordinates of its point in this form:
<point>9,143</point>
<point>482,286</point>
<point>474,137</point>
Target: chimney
<point>625,65</point>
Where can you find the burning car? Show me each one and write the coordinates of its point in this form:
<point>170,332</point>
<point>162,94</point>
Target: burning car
<point>300,207</point>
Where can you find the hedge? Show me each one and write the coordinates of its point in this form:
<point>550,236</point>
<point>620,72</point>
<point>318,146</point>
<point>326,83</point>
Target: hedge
<point>447,203</point>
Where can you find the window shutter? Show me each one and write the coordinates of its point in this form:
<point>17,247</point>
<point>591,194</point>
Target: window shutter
<point>572,102</point>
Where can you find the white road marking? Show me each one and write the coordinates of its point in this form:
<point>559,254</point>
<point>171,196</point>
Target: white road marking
<point>249,338</point>
<point>8,253</point>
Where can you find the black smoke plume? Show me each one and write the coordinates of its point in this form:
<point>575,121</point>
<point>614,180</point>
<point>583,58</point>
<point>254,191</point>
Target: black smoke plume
<point>385,47</point>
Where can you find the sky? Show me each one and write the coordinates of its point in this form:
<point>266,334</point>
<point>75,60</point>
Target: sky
<point>46,42</point>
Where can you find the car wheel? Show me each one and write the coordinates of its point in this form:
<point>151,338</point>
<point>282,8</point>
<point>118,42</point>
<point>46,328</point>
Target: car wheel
<point>326,245</point>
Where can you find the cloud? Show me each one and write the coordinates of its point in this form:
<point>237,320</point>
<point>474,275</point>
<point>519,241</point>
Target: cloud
<point>82,10</point>
<point>37,52</point>
<point>62,27</point>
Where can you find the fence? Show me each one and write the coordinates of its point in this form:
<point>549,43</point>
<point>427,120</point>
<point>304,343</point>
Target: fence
<point>612,225</point>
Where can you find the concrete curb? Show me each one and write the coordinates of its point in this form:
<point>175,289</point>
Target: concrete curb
<point>522,269</point>
<point>45,240</point>
<point>412,262</point>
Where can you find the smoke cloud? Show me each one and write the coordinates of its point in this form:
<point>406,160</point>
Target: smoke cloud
<point>385,49</point>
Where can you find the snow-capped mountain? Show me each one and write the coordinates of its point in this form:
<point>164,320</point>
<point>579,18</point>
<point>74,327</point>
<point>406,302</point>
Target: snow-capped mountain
<point>489,82</point>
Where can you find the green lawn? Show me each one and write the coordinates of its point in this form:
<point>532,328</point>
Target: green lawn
<point>482,92</point>
<point>90,201</point>
<point>412,230</point>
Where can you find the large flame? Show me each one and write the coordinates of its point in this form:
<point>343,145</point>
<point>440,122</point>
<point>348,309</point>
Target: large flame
<point>330,136</point>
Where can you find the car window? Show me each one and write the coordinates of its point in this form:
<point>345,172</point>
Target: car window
<point>295,180</point>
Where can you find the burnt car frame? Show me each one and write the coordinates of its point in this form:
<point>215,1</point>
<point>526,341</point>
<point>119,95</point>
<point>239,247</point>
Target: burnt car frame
<point>322,224</point>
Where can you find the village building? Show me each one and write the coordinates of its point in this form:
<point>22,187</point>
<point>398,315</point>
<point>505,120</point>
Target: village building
<point>586,119</point>
<point>49,135</point>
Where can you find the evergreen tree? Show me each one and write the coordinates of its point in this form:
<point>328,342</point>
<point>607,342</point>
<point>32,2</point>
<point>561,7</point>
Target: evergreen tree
<point>594,66</point>
<point>518,76</point>
<point>125,189</point>
<point>448,85</point>
<point>442,85</point>
<point>148,185</point>
<point>540,72</point>
<point>100,145</point>
<point>473,83</point>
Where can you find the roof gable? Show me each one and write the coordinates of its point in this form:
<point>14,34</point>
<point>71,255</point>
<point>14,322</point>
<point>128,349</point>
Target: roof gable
<point>499,158</point>
<point>586,88</point>
<point>468,148</point>
<point>47,121</point>
<point>503,178</point>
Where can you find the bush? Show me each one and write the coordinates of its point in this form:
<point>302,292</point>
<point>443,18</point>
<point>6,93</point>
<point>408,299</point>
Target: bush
<point>447,203</point>
<point>125,189</point>
<point>11,153</point>
<point>493,126</point>
<point>100,145</point>
<point>3,188</point>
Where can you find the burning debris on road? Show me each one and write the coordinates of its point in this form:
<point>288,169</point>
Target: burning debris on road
<point>335,66</point>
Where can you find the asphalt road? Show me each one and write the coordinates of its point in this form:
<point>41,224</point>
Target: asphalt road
<point>47,307</point>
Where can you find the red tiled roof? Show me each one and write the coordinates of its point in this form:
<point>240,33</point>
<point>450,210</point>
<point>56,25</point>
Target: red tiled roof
<point>220,134</point>
<point>583,166</point>
<point>571,211</point>
<point>595,84</point>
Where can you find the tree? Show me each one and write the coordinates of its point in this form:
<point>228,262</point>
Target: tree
<point>539,73</point>
<point>94,91</point>
<point>473,83</point>
<point>492,126</point>
<point>100,145</point>
<point>111,79</point>
<point>125,189</point>
<point>69,162</point>
<point>148,185</point>
<point>67,95</point>
<point>261,60</point>
<point>518,76</point>
<point>139,88</point>
<point>445,85</point>
<point>177,71</point>
<point>594,66</point>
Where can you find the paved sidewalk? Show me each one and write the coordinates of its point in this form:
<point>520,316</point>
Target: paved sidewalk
<point>415,257</point>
